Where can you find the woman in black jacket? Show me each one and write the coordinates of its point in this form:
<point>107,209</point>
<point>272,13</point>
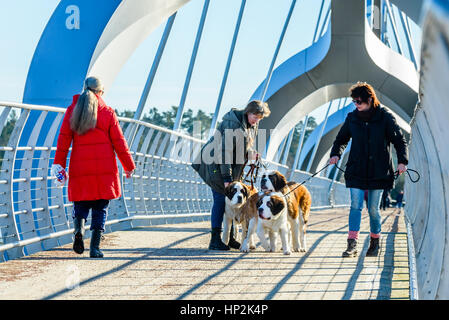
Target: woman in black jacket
<point>369,167</point>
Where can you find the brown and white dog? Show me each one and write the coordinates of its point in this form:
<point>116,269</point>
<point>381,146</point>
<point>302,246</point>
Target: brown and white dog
<point>240,207</point>
<point>298,205</point>
<point>273,218</point>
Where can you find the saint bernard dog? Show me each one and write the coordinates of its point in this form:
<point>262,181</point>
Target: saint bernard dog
<point>298,205</point>
<point>273,218</point>
<point>240,207</point>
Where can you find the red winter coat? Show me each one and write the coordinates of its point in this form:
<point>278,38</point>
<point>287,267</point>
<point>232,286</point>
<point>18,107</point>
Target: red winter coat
<point>93,172</point>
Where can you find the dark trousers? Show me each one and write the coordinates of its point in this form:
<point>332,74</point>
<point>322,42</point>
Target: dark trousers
<point>218,209</point>
<point>99,212</point>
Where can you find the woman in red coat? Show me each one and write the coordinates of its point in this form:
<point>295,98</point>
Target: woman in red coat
<point>93,130</point>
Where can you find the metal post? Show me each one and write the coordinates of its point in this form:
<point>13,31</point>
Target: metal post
<point>376,15</point>
<point>228,65</point>
<point>281,38</point>
<point>408,37</point>
<point>300,143</point>
<point>326,17</point>
<point>318,21</point>
<point>393,23</point>
<point>157,59</point>
<point>191,65</point>
<point>288,146</point>
<point>383,26</point>
<point>319,138</point>
<point>281,148</point>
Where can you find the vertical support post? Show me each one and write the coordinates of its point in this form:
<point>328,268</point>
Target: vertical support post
<point>300,144</point>
<point>191,65</point>
<point>226,72</point>
<point>377,17</point>
<point>326,17</point>
<point>309,165</point>
<point>408,37</point>
<point>276,52</point>
<point>281,148</point>
<point>383,26</point>
<point>157,59</point>
<point>318,22</point>
<point>393,23</point>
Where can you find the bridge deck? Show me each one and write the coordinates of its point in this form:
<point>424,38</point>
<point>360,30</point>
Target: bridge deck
<point>172,262</point>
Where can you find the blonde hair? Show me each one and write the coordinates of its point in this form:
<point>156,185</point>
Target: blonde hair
<point>84,116</point>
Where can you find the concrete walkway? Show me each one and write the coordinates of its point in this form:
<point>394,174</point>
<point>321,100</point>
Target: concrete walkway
<point>171,262</point>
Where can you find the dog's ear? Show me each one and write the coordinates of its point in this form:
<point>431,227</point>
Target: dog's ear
<point>245,190</point>
<point>259,201</point>
<point>278,180</point>
<point>276,205</point>
<point>228,190</point>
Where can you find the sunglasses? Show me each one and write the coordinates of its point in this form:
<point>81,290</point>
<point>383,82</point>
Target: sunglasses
<point>357,101</point>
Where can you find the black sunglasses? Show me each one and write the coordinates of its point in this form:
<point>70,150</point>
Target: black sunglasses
<point>357,101</point>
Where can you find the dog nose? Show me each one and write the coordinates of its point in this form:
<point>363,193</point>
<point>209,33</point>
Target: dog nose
<point>239,199</point>
<point>260,210</point>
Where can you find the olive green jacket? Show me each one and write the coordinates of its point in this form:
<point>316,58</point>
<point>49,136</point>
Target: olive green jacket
<point>233,148</point>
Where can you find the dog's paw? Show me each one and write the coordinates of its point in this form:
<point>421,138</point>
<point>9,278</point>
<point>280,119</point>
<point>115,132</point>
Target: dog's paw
<point>303,249</point>
<point>287,252</point>
<point>252,247</point>
<point>296,249</point>
<point>244,248</point>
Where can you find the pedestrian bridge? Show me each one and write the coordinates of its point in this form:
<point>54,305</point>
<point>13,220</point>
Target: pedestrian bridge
<point>157,232</point>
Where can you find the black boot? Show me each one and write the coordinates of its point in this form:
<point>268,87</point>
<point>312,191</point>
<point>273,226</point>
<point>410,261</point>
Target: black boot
<point>215,240</point>
<point>95,239</point>
<point>78,243</point>
<point>234,244</point>
<point>351,251</point>
<point>373,249</point>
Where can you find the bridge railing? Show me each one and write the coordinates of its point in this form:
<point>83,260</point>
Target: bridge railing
<point>36,215</point>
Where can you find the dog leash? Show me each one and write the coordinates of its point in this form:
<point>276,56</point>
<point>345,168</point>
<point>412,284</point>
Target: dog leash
<point>305,181</point>
<point>396,174</point>
<point>253,171</point>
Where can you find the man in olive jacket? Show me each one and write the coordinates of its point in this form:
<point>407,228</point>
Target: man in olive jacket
<point>223,158</point>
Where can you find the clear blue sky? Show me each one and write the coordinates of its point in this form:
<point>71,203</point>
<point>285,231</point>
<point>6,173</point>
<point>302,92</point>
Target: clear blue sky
<point>22,22</point>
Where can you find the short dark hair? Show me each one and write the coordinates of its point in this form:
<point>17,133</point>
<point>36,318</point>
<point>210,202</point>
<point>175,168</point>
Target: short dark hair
<point>364,91</point>
<point>258,107</point>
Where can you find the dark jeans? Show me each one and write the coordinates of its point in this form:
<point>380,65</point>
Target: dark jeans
<point>99,212</point>
<point>218,209</point>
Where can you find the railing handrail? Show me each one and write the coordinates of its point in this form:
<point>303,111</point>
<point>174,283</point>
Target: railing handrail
<point>124,119</point>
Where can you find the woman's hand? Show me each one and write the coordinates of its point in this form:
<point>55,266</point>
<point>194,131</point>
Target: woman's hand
<point>334,160</point>
<point>129,173</point>
<point>226,184</point>
<point>252,155</point>
<point>402,168</point>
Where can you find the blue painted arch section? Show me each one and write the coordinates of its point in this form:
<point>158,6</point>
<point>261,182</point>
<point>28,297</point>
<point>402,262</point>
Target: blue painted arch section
<point>295,66</point>
<point>62,57</point>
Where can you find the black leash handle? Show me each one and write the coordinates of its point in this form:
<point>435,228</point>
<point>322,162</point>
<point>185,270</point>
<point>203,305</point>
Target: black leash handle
<point>396,175</point>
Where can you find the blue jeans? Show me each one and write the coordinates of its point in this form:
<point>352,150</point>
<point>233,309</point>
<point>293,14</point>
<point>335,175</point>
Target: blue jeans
<point>99,212</point>
<point>218,209</point>
<point>355,213</point>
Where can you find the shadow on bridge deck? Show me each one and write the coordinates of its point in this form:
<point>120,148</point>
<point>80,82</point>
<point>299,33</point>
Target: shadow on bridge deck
<point>171,262</point>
